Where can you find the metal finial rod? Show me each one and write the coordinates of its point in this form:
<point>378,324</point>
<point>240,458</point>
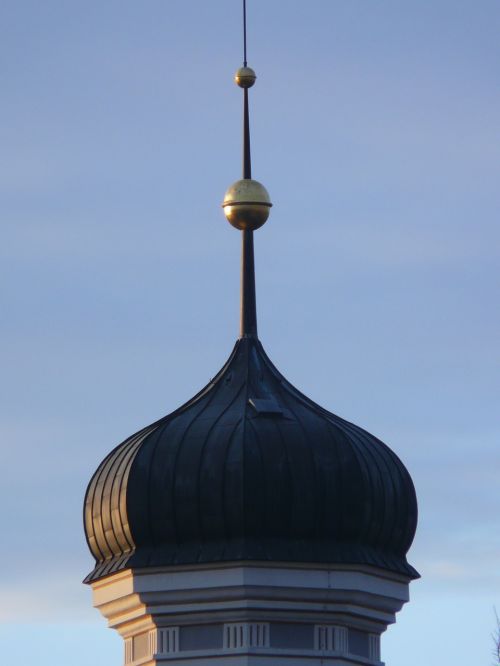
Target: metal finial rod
<point>247,160</point>
<point>248,314</point>
<point>244,33</point>
<point>247,204</point>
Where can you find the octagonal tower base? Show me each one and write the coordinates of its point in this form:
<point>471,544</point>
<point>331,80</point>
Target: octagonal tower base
<point>251,614</point>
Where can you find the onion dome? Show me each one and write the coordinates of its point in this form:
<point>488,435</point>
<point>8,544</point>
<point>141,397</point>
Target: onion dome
<point>250,469</point>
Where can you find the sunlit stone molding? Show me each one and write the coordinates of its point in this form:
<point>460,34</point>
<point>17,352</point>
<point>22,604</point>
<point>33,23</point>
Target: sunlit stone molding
<point>251,614</point>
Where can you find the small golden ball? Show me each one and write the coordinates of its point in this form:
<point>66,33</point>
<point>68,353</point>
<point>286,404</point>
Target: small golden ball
<point>245,77</point>
<point>247,204</point>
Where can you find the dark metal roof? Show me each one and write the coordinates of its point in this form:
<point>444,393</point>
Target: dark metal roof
<point>250,469</point>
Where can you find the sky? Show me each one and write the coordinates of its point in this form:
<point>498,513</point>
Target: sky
<point>375,128</point>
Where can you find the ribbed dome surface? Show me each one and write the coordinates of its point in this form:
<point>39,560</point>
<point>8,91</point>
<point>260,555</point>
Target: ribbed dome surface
<point>250,469</point>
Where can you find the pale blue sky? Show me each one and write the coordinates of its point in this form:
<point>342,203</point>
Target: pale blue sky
<point>376,130</point>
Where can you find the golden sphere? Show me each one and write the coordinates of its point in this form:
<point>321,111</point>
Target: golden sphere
<point>245,77</point>
<point>247,204</point>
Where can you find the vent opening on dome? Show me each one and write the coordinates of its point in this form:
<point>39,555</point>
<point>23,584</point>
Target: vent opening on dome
<point>266,406</point>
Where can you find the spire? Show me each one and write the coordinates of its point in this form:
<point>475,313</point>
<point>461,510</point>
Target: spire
<point>247,203</point>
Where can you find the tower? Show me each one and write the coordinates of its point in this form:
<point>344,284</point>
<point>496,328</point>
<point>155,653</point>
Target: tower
<point>250,526</point>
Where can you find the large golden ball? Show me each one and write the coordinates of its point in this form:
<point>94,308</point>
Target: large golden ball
<point>245,77</point>
<point>247,204</point>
